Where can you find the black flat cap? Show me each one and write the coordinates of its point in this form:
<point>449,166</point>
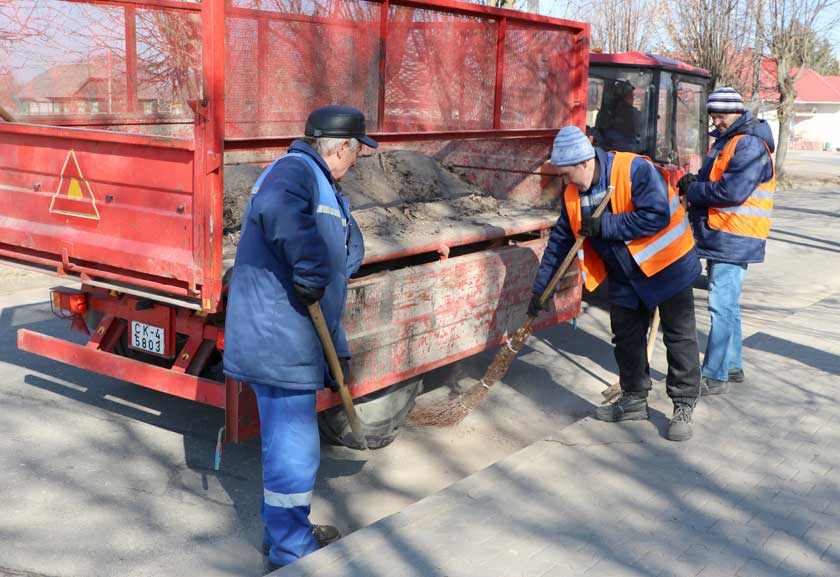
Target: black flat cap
<point>338,122</point>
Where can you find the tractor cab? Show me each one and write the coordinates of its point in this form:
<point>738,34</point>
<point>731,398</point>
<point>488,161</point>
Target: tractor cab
<point>651,105</point>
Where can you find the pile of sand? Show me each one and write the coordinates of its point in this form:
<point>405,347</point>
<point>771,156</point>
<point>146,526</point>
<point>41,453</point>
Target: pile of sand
<point>398,197</point>
<point>387,192</point>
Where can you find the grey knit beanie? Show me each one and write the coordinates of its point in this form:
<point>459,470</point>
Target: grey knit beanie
<point>725,100</point>
<point>571,147</point>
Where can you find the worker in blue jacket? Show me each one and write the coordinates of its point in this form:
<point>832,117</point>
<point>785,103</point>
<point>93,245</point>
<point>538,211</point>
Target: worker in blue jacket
<point>730,206</point>
<point>643,244</point>
<point>299,244</point>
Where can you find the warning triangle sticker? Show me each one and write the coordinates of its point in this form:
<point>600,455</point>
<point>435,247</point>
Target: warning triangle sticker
<point>74,197</point>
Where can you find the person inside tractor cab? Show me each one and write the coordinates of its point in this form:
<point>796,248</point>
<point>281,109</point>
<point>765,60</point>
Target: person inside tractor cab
<point>618,121</point>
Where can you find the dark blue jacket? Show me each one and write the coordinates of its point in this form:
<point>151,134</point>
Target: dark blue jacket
<point>628,285</point>
<point>750,166</point>
<point>293,232</point>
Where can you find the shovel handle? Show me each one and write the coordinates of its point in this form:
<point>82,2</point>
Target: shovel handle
<point>4,114</point>
<point>570,256</point>
<point>335,367</point>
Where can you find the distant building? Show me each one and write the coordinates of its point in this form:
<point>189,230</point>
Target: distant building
<point>816,113</point>
<point>816,121</point>
<point>87,89</point>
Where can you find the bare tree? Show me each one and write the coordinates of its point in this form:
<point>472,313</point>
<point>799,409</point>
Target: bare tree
<point>711,34</point>
<point>622,25</point>
<point>789,29</point>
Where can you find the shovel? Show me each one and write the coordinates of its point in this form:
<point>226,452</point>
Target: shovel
<point>335,367</point>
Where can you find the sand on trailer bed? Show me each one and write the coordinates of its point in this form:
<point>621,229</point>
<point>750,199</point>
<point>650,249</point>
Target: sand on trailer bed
<point>402,200</point>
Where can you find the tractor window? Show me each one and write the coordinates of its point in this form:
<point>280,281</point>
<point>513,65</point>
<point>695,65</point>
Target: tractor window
<point>691,117</point>
<point>593,101</point>
<point>664,121</point>
<point>618,110</point>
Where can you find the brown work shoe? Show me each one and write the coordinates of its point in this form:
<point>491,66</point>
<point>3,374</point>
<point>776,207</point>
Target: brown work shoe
<point>326,534</point>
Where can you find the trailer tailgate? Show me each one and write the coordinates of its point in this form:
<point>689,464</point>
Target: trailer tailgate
<point>105,205</point>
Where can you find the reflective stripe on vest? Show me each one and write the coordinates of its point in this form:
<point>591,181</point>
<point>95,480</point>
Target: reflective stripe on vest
<point>752,217</point>
<point>652,253</point>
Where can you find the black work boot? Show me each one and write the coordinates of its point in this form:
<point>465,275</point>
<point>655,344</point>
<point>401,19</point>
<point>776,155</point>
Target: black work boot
<point>710,386</point>
<point>735,376</point>
<point>680,428</point>
<point>628,407</point>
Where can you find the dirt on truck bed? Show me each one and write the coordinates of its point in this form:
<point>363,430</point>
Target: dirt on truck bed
<point>401,200</point>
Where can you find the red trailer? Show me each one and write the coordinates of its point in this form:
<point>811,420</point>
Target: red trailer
<point>127,112</point>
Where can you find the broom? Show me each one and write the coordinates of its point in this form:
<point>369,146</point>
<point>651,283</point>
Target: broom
<point>612,392</point>
<point>455,411</point>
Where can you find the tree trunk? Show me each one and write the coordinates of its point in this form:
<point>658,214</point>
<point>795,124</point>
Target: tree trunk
<point>782,145</point>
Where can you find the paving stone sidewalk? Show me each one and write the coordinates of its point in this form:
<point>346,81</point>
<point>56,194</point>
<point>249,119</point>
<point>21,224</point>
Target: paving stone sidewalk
<point>756,493</point>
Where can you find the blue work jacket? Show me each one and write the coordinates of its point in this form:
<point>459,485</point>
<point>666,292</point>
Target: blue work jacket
<point>750,166</point>
<point>628,285</point>
<point>297,229</point>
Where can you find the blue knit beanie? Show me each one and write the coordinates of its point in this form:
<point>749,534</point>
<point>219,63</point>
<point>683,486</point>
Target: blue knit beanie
<point>571,147</point>
<point>725,100</point>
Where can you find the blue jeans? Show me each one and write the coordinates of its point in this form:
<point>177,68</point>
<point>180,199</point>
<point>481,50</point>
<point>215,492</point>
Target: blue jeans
<point>723,349</point>
<point>291,454</point>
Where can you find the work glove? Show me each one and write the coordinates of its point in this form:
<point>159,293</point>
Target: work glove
<point>332,382</point>
<point>308,295</point>
<point>685,182</point>
<point>591,227</point>
<point>535,307</point>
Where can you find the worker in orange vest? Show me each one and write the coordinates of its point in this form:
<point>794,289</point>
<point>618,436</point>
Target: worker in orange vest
<point>643,244</point>
<point>730,205</point>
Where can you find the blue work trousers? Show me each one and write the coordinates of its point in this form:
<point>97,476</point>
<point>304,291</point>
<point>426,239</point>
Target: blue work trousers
<point>723,349</point>
<point>291,453</point>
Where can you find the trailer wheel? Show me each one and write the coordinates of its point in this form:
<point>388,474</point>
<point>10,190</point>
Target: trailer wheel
<point>382,413</point>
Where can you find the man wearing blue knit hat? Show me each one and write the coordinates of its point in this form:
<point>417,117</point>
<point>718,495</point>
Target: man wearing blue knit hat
<point>642,242</point>
<point>730,205</point>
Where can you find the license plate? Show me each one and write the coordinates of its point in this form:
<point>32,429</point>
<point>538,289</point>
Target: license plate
<point>148,338</point>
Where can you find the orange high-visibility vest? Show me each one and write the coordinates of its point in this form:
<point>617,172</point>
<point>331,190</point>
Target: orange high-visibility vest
<point>752,217</point>
<point>652,253</point>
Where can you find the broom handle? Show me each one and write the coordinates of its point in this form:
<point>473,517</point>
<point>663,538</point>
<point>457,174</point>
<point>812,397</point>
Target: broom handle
<point>654,328</point>
<point>4,114</point>
<point>335,367</point>
<point>570,256</point>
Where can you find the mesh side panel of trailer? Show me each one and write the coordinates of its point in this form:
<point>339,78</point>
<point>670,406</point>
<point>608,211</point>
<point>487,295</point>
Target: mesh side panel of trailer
<point>536,74</point>
<point>285,58</point>
<point>440,71</point>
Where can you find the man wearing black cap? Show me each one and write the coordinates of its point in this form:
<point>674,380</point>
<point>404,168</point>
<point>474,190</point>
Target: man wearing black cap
<point>299,244</point>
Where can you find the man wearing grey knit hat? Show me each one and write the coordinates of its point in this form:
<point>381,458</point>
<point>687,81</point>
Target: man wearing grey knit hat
<point>643,244</point>
<point>730,205</point>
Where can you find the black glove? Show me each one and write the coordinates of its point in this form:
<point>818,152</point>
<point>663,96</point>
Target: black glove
<point>308,295</point>
<point>685,182</point>
<point>591,227</point>
<point>535,307</point>
<point>332,383</point>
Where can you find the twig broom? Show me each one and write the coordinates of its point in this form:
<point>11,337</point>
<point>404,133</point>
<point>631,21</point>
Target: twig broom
<point>454,412</point>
